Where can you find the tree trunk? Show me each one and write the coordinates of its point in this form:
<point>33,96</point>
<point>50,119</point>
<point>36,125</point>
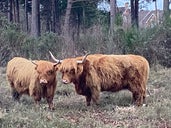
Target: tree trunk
<point>54,16</point>
<point>58,27</point>
<point>68,40</point>
<point>67,18</point>
<point>26,15</point>
<point>166,6</point>
<point>38,10</point>
<point>78,25</point>
<point>14,10</point>
<point>48,15</point>
<point>35,25</point>
<point>17,11</point>
<point>10,16</point>
<point>112,14</point>
<point>156,12</point>
<point>83,19</point>
<point>166,9</point>
<point>134,13</point>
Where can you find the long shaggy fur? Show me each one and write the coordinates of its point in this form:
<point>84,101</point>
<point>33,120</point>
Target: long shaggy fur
<point>25,78</point>
<point>107,73</point>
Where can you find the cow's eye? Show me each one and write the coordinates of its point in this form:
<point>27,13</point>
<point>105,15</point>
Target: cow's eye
<point>50,72</point>
<point>62,71</point>
<point>72,71</point>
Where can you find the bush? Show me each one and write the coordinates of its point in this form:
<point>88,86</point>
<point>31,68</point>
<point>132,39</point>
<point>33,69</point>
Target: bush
<point>153,43</point>
<point>15,43</point>
<point>11,40</point>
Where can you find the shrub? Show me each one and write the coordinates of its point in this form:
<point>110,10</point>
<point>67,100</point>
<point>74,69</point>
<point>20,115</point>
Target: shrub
<point>153,43</point>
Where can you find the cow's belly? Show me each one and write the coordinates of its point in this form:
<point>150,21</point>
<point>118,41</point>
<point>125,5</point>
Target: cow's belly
<point>112,87</point>
<point>21,86</point>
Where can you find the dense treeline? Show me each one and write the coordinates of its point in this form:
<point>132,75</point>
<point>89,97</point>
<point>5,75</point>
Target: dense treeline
<point>73,27</point>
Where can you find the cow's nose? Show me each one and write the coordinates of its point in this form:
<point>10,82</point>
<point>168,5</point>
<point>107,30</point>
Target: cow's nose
<point>64,81</point>
<point>43,81</point>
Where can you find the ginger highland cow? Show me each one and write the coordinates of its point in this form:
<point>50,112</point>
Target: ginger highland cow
<point>37,79</point>
<point>92,74</point>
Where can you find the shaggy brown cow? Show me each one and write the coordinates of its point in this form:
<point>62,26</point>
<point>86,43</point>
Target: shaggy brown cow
<point>37,79</point>
<point>95,73</point>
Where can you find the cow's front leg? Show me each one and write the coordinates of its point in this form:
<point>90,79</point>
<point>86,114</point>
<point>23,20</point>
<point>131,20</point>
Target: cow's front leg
<point>37,103</point>
<point>37,99</point>
<point>49,97</point>
<point>95,95</point>
<point>50,102</point>
<point>88,100</point>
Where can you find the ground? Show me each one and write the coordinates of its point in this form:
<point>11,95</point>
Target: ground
<point>114,111</point>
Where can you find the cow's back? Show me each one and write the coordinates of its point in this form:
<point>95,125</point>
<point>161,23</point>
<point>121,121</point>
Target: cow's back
<point>133,64</point>
<point>120,69</point>
<point>19,72</point>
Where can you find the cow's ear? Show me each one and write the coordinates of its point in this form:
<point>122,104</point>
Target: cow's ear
<point>79,69</point>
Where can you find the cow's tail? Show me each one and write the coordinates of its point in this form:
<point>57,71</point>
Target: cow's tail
<point>15,94</point>
<point>148,92</point>
<point>148,73</point>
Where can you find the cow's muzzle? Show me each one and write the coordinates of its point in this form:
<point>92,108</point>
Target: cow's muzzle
<point>43,81</point>
<point>65,81</point>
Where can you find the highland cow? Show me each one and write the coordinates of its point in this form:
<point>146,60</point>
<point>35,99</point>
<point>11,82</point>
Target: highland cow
<point>35,78</point>
<point>92,74</point>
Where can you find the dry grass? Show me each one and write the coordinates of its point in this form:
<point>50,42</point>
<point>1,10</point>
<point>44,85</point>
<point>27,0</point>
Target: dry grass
<point>115,109</point>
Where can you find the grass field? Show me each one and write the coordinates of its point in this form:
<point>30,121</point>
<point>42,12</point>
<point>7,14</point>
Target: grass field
<point>114,111</point>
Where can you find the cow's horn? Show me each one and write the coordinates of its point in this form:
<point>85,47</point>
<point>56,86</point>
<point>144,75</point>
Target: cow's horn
<point>56,60</point>
<point>34,63</point>
<point>83,60</point>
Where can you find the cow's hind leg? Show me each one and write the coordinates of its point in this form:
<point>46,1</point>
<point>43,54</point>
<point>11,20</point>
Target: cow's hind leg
<point>15,95</point>
<point>138,99</point>
<point>144,98</point>
<point>140,96</point>
<point>138,92</point>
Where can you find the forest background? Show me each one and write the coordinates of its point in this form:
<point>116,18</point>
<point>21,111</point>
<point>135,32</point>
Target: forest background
<point>70,28</point>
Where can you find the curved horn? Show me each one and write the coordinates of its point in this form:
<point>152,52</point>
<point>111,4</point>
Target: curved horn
<point>56,60</point>
<point>83,60</point>
<point>34,63</point>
